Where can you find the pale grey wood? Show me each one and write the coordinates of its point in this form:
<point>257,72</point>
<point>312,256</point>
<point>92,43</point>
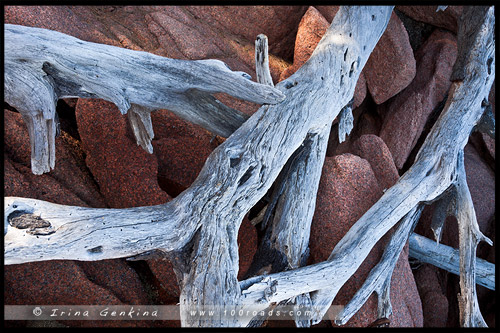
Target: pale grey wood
<point>447,258</point>
<point>469,237</point>
<point>278,130</point>
<point>79,233</point>
<point>379,278</point>
<point>262,61</point>
<point>434,171</point>
<point>48,65</point>
<point>285,243</point>
<point>444,207</point>
<point>346,121</point>
<point>240,171</point>
<point>487,123</point>
<point>140,121</point>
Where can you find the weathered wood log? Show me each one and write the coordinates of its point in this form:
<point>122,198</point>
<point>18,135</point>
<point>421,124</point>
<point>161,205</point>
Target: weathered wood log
<point>447,258</point>
<point>48,65</point>
<point>379,278</point>
<point>285,243</point>
<point>278,129</point>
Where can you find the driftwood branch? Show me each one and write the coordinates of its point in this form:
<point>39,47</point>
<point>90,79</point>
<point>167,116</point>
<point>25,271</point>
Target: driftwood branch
<point>379,278</point>
<point>203,221</point>
<point>49,65</point>
<point>437,167</point>
<point>236,175</point>
<point>447,258</point>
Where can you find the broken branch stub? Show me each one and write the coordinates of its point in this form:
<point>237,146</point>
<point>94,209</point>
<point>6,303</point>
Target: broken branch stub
<point>48,65</point>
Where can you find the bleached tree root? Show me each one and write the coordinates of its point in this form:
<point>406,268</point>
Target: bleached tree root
<point>238,173</point>
<point>379,278</point>
<point>438,166</point>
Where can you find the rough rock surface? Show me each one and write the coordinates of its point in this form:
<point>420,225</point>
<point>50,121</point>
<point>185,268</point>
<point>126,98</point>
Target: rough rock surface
<point>126,174</point>
<point>434,301</point>
<point>408,112</point>
<point>373,149</point>
<point>348,187</point>
<point>446,19</point>
<point>328,12</point>
<point>181,149</point>
<point>69,183</point>
<point>228,33</point>
<point>391,61</point>
<point>66,283</point>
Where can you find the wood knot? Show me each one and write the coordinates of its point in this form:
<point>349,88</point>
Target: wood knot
<point>35,224</point>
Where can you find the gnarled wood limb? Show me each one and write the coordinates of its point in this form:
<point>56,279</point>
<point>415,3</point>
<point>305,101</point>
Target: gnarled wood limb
<point>285,243</point>
<point>262,61</point>
<point>436,169</point>
<point>243,168</point>
<point>79,233</point>
<point>48,65</point>
<point>278,130</point>
<point>447,258</point>
<point>469,237</point>
<point>379,278</point>
<point>240,171</point>
<point>346,121</point>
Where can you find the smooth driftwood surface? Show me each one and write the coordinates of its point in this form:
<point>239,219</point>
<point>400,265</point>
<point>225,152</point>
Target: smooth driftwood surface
<point>447,258</point>
<point>240,171</point>
<point>48,65</point>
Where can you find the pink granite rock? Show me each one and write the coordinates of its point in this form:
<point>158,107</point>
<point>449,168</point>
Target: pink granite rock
<point>65,283</point>
<point>126,174</point>
<point>434,301</point>
<point>408,112</point>
<point>391,66</point>
<point>312,27</point>
<point>328,12</point>
<point>348,188</point>
<point>444,19</point>
<point>69,183</point>
<point>373,149</point>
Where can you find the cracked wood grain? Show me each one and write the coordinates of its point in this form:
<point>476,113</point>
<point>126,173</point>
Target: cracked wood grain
<point>436,168</point>
<point>448,258</point>
<point>48,65</point>
<point>240,171</point>
<point>236,175</point>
